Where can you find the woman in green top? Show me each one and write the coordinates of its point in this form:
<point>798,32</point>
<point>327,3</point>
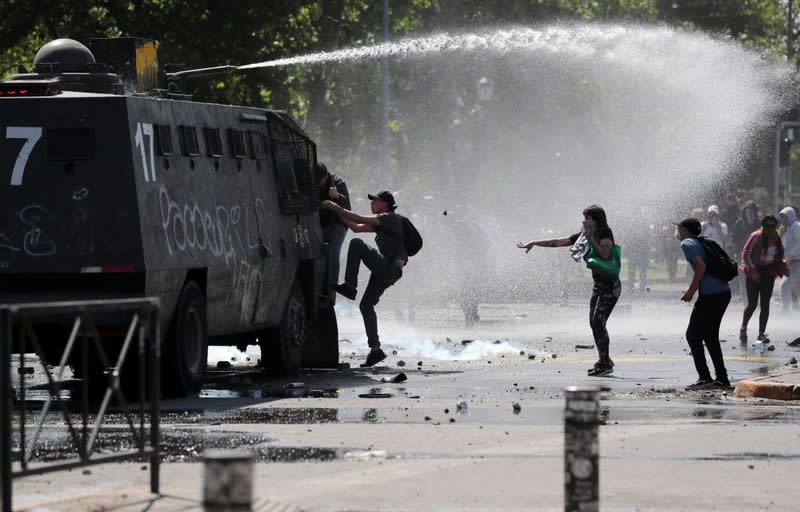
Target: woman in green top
<point>606,289</point>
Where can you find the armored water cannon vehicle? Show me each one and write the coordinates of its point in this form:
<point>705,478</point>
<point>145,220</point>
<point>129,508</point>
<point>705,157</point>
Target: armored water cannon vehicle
<point>112,187</point>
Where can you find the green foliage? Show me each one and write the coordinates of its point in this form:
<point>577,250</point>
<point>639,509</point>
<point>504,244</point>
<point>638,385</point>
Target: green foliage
<point>329,99</point>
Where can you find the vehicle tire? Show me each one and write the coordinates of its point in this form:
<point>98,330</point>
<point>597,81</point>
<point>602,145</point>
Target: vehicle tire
<point>185,352</point>
<point>282,349</point>
<point>323,349</point>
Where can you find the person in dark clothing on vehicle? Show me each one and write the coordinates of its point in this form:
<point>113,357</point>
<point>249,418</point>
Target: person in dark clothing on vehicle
<point>333,187</point>
<point>605,292</point>
<point>714,297</point>
<point>386,263</point>
<point>762,257</point>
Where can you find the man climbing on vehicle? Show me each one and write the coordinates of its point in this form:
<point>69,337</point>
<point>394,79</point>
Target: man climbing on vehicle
<point>385,264</point>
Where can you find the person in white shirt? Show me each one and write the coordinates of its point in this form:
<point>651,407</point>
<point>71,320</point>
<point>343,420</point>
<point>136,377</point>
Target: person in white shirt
<point>791,254</point>
<point>714,228</point>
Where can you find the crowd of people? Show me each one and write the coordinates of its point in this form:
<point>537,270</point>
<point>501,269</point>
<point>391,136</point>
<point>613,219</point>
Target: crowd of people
<point>728,224</point>
<point>767,247</point>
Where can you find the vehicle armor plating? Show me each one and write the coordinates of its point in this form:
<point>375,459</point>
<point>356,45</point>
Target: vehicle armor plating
<point>113,187</point>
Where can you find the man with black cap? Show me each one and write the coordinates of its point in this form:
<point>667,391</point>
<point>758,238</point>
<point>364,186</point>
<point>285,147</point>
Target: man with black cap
<point>386,263</point>
<point>713,299</point>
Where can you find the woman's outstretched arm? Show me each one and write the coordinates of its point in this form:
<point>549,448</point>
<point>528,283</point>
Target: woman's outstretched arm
<point>550,242</point>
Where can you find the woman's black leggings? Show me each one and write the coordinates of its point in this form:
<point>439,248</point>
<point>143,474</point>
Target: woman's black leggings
<point>758,290</point>
<point>604,297</point>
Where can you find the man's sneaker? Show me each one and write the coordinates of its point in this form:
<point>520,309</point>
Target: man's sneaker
<point>601,371</point>
<point>346,290</point>
<point>722,383</point>
<point>700,384</point>
<point>718,385</point>
<point>594,368</point>
<point>374,357</point>
<point>763,338</point>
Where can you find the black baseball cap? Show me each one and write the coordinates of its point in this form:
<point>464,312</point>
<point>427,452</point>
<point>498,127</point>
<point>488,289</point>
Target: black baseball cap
<point>386,197</point>
<point>691,224</point>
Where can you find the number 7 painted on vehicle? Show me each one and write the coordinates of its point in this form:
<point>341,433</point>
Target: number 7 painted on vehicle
<point>31,134</point>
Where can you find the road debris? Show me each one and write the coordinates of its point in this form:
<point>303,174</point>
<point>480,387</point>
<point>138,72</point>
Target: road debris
<point>400,377</point>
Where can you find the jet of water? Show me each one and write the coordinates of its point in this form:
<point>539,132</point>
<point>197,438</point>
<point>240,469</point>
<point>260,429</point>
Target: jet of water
<point>645,120</point>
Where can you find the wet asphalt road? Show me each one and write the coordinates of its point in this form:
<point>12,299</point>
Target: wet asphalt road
<point>483,395</point>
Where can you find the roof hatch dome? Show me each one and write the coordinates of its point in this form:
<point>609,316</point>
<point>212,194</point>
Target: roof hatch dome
<point>70,54</point>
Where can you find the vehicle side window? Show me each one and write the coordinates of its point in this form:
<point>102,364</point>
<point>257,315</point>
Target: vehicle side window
<point>164,138</point>
<point>237,143</point>
<point>257,143</point>
<point>284,163</point>
<point>77,144</point>
<point>214,142</point>
<point>294,157</point>
<point>189,141</point>
<point>302,173</point>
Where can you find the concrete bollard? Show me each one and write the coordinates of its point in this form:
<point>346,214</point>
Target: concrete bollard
<point>581,450</point>
<point>228,482</point>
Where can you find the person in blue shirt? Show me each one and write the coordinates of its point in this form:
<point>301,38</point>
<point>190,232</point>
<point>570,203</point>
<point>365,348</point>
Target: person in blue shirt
<point>712,301</point>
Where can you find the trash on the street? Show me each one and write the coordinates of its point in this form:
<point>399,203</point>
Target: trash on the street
<point>365,454</point>
<point>517,408</point>
<point>461,408</point>
<point>374,395</point>
<point>585,347</point>
<point>400,377</point>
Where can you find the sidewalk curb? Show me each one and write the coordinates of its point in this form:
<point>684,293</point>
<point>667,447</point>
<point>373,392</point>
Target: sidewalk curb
<point>780,386</point>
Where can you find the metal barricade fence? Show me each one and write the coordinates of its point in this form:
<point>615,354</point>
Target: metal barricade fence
<point>18,336</point>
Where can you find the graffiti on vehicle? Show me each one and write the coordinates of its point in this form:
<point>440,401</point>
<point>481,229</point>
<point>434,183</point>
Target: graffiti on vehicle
<point>229,233</point>
<point>34,239</point>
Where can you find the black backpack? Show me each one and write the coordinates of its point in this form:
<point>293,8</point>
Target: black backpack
<point>411,237</point>
<point>718,263</point>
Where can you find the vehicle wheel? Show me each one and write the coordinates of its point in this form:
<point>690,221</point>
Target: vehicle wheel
<point>282,351</point>
<point>323,350</point>
<point>185,352</point>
